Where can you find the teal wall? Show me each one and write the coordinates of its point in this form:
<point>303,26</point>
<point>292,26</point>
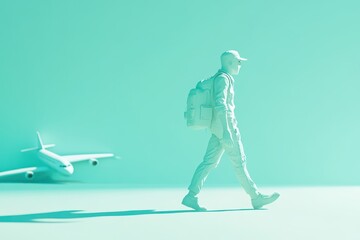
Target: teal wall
<point>112,76</point>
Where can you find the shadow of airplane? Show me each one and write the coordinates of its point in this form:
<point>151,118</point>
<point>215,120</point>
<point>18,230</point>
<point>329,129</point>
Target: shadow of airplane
<point>40,178</point>
<point>39,181</point>
<point>62,216</point>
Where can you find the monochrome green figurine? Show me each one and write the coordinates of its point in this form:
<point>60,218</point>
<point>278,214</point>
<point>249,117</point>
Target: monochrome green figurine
<point>225,132</point>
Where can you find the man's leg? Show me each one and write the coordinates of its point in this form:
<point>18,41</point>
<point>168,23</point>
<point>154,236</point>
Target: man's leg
<point>211,160</point>
<point>237,156</point>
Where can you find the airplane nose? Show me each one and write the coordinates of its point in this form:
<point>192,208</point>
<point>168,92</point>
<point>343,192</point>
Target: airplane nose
<point>70,169</point>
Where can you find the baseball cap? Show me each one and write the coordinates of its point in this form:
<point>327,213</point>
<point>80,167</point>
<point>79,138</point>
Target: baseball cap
<point>234,54</point>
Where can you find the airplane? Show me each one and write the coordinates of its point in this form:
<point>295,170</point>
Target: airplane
<point>54,162</point>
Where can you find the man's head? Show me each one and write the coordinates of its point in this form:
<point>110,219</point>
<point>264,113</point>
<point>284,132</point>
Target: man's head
<point>231,62</point>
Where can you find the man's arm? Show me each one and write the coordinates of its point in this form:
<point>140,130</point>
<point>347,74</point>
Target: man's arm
<point>221,87</point>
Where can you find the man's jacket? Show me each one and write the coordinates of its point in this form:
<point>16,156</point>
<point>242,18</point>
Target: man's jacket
<point>223,96</point>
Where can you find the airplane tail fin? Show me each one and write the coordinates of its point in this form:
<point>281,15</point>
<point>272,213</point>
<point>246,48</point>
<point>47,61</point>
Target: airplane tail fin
<point>40,145</point>
<point>39,141</point>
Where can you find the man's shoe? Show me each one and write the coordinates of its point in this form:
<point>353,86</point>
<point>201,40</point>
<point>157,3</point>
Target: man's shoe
<point>262,200</point>
<point>192,202</point>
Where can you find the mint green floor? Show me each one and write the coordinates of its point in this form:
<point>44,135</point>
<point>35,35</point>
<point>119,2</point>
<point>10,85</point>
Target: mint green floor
<point>70,211</point>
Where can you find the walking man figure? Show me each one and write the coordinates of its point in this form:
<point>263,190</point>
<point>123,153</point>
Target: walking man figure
<point>225,137</point>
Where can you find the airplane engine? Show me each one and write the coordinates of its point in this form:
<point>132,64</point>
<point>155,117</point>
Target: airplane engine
<point>93,162</point>
<point>29,175</point>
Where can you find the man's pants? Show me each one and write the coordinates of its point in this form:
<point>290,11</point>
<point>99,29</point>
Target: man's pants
<point>212,158</point>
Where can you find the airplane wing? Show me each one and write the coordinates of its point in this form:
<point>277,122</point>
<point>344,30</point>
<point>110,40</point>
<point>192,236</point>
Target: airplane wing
<point>84,157</point>
<point>23,170</point>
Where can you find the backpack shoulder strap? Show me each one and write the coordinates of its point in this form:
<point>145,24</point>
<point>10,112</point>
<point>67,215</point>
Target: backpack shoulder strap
<point>218,74</point>
<point>214,77</point>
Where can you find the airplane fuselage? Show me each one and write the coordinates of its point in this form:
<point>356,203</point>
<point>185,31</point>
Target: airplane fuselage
<point>56,162</point>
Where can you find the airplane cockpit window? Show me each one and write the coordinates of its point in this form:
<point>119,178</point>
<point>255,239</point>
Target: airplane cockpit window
<point>65,166</point>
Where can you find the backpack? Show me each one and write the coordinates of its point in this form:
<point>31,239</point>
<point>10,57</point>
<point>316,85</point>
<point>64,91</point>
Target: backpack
<point>200,104</point>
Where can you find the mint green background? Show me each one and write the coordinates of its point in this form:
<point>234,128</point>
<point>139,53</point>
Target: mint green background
<point>112,76</point>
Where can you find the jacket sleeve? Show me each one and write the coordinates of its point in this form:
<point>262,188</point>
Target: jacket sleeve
<point>221,86</point>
